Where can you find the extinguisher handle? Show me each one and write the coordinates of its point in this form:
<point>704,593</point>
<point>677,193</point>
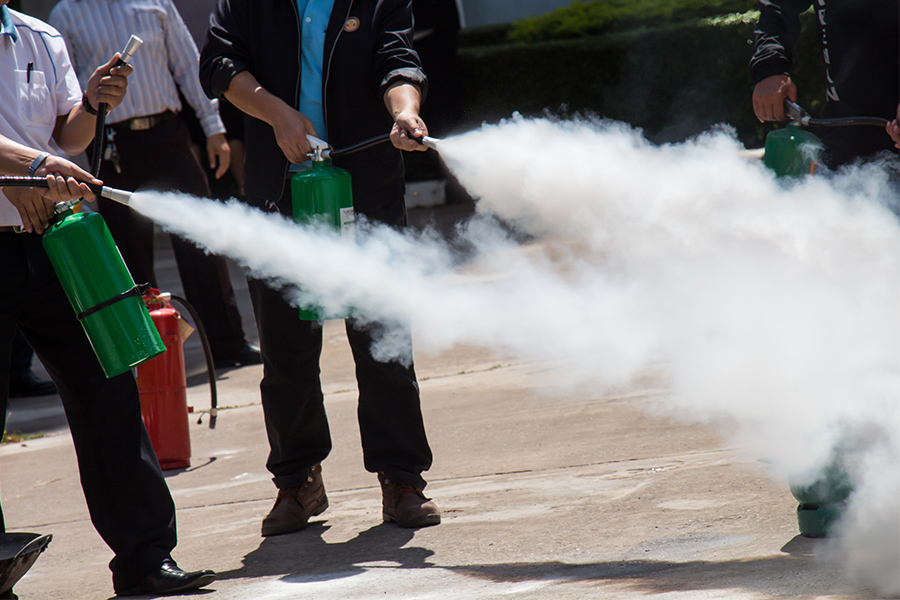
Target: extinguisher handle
<point>120,196</point>
<point>134,42</point>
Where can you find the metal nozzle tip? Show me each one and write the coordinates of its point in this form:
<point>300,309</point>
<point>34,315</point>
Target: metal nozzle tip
<point>120,196</point>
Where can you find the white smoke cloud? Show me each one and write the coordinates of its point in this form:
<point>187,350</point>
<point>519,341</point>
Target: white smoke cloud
<point>775,306</point>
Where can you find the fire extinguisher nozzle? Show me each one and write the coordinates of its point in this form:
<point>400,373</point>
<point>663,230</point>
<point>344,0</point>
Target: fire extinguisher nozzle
<point>120,196</point>
<point>429,142</point>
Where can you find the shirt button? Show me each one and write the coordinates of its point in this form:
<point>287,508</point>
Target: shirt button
<point>309,19</point>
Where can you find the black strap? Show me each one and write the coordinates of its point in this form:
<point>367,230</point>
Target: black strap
<point>137,290</point>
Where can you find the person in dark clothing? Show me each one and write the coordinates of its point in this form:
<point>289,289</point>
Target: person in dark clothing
<point>860,42</point>
<point>43,111</point>
<point>344,71</point>
<point>23,383</point>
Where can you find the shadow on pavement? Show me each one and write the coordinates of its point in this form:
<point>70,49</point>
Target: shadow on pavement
<point>657,576</point>
<point>306,557</point>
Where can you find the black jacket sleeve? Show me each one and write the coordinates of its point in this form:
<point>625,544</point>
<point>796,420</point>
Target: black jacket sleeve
<point>395,59</point>
<point>224,54</point>
<point>776,33</point>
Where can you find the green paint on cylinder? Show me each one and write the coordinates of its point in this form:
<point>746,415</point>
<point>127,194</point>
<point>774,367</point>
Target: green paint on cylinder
<point>323,194</point>
<point>91,271</point>
<point>792,152</point>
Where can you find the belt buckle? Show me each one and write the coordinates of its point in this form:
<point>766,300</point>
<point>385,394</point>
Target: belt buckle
<point>141,124</point>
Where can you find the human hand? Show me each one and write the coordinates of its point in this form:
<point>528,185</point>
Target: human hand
<point>65,180</point>
<point>408,127</point>
<point>893,129</point>
<point>219,152</point>
<point>108,84</point>
<point>34,209</point>
<point>769,96</point>
<point>291,128</point>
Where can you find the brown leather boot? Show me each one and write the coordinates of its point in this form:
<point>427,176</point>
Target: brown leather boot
<point>406,505</point>
<point>294,506</point>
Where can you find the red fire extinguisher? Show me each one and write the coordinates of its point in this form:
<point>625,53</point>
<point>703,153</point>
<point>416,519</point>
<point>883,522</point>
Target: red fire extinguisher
<point>163,385</point>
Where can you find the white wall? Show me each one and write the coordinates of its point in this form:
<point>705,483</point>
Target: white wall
<point>488,12</point>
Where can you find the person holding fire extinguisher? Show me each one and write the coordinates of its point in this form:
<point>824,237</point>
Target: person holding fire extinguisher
<point>43,112</point>
<point>860,42</point>
<point>345,71</point>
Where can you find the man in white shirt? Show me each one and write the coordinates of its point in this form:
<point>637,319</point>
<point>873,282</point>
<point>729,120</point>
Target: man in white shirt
<point>148,147</point>
<point>42,112</point>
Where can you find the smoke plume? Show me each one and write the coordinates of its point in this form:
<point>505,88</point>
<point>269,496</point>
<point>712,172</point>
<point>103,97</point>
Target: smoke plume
<point>772,305</point>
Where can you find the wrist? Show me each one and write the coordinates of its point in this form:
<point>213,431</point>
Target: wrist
<point>87,105</point>
<point>39,160</point>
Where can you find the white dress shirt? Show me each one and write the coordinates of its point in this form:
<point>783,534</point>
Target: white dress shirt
<point>94,30</point>
<point>39,86</point>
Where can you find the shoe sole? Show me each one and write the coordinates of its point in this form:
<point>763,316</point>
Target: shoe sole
<point>423,521</point>
<point>318,510</point>
<point>202,581</point>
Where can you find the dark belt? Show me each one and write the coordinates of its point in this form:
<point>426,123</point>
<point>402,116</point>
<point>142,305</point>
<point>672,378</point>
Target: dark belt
<point>11,229</point>
<point>144,123</point>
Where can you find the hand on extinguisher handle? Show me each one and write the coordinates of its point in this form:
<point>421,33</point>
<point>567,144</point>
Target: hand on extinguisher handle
<point>134,42</point>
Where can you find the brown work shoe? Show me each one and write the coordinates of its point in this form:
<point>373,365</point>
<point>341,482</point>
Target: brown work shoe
<point>294,506</point>
<point>406,505</point>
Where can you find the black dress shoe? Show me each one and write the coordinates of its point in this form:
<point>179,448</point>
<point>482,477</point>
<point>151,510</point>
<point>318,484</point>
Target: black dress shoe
<point>248,355</point>
<point>170,580</point>
<point>29,385</point>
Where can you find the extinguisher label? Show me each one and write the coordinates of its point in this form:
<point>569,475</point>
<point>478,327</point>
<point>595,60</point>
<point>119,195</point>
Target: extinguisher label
<point>348,223</point>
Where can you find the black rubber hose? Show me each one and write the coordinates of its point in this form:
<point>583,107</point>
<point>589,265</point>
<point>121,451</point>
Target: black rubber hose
<point>40,182</point>
<point>362,145</point>
<point>99,135</point>
<point>210,365</point>
<point>873,121</point>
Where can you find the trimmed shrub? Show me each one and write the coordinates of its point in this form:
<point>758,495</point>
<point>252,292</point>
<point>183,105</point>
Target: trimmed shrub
<point>672,81</point>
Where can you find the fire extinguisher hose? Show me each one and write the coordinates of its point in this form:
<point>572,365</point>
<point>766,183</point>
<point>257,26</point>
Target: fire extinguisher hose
<point>210,365</point>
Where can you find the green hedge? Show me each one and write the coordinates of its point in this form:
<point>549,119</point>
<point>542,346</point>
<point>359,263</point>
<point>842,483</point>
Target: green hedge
<point>672,81</point>
<point>584,19</point>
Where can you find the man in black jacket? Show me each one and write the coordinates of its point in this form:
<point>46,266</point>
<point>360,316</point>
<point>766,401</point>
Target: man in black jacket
<point>342,70</point>
<point>860,42</point>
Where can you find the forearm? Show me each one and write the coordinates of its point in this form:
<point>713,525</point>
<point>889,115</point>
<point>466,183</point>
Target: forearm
<point>401,98</point>
<point>245,92</point>
<point>74,132</point>
<point>15,158</point>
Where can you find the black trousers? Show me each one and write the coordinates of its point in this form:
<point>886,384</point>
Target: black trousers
<point>160,158</point>
<point>127,497</point>
<point>390,415</point>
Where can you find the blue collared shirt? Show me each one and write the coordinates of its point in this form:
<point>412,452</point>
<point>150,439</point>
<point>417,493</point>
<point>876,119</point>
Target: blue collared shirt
<point>314,16</point>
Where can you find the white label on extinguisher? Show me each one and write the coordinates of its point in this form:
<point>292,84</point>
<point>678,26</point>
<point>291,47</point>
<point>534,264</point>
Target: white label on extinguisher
<point>348,223</point>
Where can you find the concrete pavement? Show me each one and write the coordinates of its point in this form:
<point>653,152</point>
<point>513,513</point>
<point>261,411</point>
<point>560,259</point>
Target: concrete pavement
<point>544,495</point>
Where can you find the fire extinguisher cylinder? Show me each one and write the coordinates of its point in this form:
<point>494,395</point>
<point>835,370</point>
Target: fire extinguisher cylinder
<point>323,193</point>
<point>101,291</point>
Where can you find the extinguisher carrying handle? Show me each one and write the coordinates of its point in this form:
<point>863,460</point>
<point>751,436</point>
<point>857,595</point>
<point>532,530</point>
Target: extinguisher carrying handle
<point>210,365</point>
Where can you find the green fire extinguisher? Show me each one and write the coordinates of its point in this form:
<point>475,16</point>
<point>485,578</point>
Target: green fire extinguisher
<point>105,298</point>
<point>323,194</point>
<point>793,151</point>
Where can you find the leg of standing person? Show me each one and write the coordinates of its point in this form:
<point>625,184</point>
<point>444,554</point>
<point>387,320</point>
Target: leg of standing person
<point>127,497</point>
<point>390,414</point>
<point>23,383</point>
<point>293,404</point>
